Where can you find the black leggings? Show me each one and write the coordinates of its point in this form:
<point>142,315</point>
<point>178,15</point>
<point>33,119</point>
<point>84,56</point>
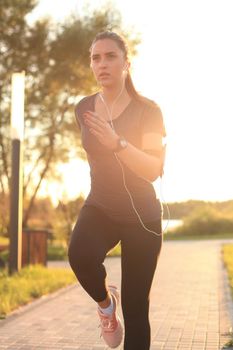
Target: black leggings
<point>94,234</point>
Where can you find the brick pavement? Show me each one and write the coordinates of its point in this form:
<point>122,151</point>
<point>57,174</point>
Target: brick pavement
<point>191,307</point>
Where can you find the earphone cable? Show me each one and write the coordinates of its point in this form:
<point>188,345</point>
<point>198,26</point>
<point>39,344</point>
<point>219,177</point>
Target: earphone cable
<point>135,210</point>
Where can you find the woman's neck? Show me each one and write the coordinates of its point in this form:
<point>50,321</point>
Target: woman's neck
<point>110,94</point>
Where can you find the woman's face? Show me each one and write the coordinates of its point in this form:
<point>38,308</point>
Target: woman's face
<point>108,63</point>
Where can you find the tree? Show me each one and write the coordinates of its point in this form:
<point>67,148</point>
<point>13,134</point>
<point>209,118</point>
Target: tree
<point>56,62</point>
<point>66,214</point>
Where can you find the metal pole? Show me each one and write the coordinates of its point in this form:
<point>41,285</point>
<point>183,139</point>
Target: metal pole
<point>16,205</point>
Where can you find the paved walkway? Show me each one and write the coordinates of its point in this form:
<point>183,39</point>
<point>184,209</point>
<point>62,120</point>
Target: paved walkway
<point>191,307</point>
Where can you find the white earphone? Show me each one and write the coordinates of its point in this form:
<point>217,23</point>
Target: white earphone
<point>135,210</point>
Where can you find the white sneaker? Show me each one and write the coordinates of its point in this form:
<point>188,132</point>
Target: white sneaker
<point>111,326</point>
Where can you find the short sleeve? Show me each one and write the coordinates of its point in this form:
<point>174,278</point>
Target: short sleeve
<point>81,107</point>
<point>76,113</point>
<point>152,120</point>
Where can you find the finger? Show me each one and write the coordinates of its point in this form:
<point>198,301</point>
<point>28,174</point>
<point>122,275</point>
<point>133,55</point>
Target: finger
<point>95,126</point>
<point>96,115</point>
<point>92,112</point>
<point>96,133</point>
<point>92,120</point>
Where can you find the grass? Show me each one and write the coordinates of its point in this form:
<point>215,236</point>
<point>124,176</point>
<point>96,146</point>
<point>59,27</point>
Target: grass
<point>176,237</point>
<point>229,344</point>
<point>116,251</point>
<point>33,281</point>
<point>227,253</point>
<point>30,283</point>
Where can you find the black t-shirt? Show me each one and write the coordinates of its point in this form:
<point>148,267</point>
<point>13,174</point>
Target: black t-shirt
<point>107,187</point>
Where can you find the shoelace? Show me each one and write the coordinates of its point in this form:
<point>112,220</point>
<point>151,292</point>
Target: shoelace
<point>107,324</point>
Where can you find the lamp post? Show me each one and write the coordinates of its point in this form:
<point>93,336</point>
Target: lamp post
<point>16,205</point>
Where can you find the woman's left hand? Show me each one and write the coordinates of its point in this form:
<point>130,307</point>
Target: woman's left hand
<point>101,129</point>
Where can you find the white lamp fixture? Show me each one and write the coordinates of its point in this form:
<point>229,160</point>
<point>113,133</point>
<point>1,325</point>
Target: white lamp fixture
<point>17,106</point>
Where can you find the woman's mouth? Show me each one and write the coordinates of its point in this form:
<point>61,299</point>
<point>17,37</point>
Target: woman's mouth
<point>104,75</point>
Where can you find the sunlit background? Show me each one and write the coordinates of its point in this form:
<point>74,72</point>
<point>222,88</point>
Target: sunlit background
<point>185,64</point>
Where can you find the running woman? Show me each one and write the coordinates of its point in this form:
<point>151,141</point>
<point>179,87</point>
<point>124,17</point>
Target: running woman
<point>122,133</point>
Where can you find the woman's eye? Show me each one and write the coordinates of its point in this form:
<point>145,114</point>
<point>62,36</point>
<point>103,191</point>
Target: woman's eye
<point>97,58</point>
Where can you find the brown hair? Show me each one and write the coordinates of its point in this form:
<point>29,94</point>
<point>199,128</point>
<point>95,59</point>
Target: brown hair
<point>124,48</point>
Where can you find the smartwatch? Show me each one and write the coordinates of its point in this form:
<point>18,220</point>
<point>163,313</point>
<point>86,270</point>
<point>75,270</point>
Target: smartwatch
<point>121,144</point>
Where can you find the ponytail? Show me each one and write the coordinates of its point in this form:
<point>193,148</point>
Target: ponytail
<point>131,88</point>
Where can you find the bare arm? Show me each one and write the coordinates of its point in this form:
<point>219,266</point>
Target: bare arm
<point>142,164</point>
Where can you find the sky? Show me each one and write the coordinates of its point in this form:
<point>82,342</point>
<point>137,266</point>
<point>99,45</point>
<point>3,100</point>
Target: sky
<point>184,63</point>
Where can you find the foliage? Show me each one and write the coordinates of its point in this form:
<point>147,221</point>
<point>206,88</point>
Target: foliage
<point>60,220</point>
<point>57,252</point>
<point>205,222</point>
<point>66,217</point>
<point>55,59</point>
<point>29,283</point>
<point>116,251</point>
<point>182,210</point>
<point>227,252</point>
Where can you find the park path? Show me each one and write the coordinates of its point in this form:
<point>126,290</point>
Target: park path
<point>191,307</point>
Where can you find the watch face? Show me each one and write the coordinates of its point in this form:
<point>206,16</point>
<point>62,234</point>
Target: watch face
<point>123,143</point>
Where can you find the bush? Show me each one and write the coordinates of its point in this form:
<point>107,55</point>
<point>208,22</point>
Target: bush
<point>57,252</point>
<point>205,222</point>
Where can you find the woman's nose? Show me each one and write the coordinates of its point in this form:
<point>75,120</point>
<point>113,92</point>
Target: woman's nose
<point>103,63</point>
